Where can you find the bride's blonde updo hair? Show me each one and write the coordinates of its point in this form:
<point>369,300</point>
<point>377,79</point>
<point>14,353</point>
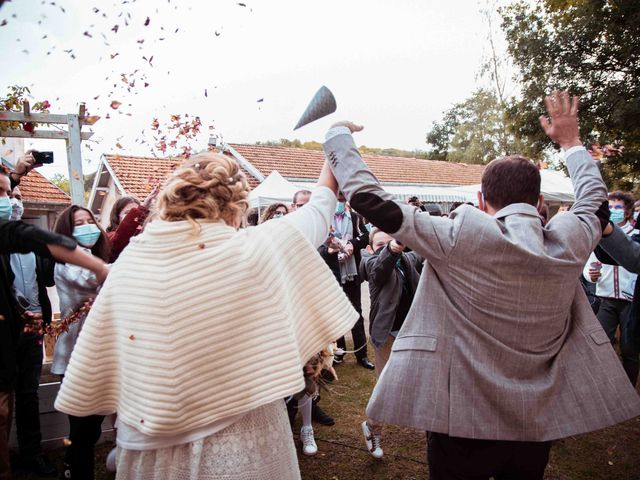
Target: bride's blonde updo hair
<point>207,186</point>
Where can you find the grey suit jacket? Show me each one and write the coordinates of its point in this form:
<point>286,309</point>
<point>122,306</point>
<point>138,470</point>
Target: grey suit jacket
<point>500,342</point>
<point>385,288</point>
<point>623,249</point>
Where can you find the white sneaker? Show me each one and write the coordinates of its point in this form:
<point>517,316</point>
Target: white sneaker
<point>309,446</point>
<point>372,441</point>
<point>111,461</point>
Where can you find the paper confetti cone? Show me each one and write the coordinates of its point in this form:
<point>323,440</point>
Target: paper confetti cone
<point>322,104</point>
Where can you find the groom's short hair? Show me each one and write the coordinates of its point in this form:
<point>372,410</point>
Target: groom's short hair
<point>511,179</point>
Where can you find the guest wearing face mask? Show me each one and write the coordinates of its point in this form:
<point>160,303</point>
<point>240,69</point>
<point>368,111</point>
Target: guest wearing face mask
<point>615,285</point>
<point>76,286</point>
<point>32,275</point>
<point>636,212</point>
<point>127,219</point>
<point>342,254</point>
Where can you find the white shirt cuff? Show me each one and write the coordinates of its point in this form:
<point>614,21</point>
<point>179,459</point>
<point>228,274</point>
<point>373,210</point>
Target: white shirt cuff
<point>335,131</point>
<point>573,150</point>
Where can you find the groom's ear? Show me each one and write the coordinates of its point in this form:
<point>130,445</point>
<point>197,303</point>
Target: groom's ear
<point>481,203</point>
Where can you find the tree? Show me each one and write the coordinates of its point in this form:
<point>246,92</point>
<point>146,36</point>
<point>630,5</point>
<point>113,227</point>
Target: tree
<point>61,181</point>
<point>476,130</point>
<point>591,47</point>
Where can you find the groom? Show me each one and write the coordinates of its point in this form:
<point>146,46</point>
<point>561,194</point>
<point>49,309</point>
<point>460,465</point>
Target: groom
<point>500,353</point>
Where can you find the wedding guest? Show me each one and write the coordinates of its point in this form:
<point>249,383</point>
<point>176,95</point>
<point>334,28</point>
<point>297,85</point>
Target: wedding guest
<point>341,252</point>
<point>126,220</point>
<point>18,237</point>
<point>75,287</point>
<point>188,363</point>
<point>615,286</point>
<point>275,210</point>
<point>393,276</point>
<point>32,273</point>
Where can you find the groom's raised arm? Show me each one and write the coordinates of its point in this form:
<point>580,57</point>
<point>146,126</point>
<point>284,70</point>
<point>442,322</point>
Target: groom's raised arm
<point>432,237</point>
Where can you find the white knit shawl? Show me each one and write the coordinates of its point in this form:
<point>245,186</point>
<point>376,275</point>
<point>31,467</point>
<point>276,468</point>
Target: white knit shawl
<point>192,328</point>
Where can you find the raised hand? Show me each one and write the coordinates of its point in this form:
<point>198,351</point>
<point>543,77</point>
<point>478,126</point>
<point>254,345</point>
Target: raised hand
<point>152,196</point>
<point>562,123</point>
<point>350,125</point>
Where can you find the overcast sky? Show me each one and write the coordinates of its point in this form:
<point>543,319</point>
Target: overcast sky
<point>392,66</point>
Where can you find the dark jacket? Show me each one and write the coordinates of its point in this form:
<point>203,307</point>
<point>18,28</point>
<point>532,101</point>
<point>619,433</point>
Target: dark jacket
<point>17,237</point>
<point>385,287</point>
<point>359,241</point>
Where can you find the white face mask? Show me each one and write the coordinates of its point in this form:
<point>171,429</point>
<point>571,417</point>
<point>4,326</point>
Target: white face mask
<point>17,209</point>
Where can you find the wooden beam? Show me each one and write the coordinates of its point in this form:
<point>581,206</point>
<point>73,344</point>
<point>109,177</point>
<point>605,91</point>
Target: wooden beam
<point>44,118</point>
<point>82,110</point>
<point>74,157</point>
<point>26,108</point>
<point>51,134</point>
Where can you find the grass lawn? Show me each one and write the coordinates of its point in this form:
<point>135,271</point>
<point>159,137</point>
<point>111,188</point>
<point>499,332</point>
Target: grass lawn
<point>610,454</point>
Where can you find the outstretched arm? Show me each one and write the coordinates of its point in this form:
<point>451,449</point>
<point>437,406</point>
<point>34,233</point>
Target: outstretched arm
<point>622,249</point>
<point>18,237</point>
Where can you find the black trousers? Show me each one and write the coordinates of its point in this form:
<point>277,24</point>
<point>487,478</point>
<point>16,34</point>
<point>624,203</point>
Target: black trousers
<point>354,294</point>
<point>27,406</point>
<point>613,314</point>
<point>452,458</point>
<point>84,433</point>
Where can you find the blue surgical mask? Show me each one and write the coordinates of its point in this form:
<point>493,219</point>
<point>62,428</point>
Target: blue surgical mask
<point>616,215</point>
<point>5,208</point>
<point>340,208</point>
<point>87,235</point>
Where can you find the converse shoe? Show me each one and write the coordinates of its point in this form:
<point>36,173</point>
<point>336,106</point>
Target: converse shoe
<point>111,461</point>
<point>372,441</point>
<point>309,446</point>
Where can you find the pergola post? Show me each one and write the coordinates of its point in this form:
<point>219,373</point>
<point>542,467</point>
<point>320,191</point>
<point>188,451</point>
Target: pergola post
<point>73,137</point>
<point>74,157</point>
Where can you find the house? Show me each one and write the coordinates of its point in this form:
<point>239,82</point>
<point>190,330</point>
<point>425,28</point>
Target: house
<point>42,200</point>
<point>119,175</point>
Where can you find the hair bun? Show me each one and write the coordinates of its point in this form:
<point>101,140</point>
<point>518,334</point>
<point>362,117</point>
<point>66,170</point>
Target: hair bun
<point>208,186</point>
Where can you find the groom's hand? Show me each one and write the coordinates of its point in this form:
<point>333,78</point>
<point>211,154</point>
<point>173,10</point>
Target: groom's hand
<point>350,125</point>
<point>562,123</point>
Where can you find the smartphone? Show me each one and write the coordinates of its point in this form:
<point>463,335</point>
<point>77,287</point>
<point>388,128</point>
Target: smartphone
<point>43,157</point>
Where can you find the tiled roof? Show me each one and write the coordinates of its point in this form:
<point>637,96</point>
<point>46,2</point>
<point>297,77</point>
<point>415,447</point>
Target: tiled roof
<point>36,188</point>
<point>138,174</point>
<point>298,163</point>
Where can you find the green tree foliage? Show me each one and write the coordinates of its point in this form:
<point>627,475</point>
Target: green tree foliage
<point>591,47</point>
<point>476,130</point>
<point>62,182</point>
<point>391,152</point>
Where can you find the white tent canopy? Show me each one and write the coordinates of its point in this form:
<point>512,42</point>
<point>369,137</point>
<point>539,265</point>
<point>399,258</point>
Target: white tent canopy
<point>555,186</point>
<point>273,189</point>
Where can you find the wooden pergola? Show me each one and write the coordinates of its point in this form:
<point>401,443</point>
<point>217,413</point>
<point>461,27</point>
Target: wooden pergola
<point>73,137</point>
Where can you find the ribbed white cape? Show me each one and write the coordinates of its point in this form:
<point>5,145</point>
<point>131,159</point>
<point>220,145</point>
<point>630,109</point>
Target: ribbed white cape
<point>193,328</point>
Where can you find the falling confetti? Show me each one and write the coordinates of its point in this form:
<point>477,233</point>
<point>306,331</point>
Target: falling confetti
<point>115,104</point>
<point>147,21</point>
